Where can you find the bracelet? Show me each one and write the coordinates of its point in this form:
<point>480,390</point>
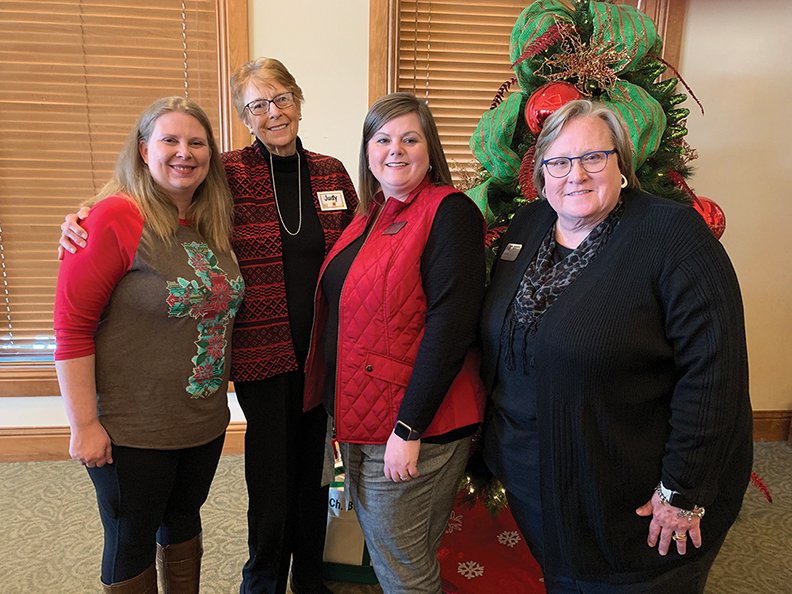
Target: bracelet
<point>661,495</point>
<point>696,512</point>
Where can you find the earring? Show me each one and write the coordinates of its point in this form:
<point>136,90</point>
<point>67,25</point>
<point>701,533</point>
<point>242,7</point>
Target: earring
<point>624,181</point>
<point>429,170</point>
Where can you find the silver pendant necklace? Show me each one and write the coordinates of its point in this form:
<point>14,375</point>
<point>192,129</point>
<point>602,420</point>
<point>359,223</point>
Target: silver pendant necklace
<point>299,197</point>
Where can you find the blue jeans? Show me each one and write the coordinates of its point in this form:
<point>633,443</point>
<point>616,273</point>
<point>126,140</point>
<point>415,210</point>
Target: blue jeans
<point>404,522</point>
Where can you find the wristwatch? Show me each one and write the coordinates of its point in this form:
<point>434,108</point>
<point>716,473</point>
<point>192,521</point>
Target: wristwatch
<point>406,432</point>
<point>675,498</point>
<point>682,502</point>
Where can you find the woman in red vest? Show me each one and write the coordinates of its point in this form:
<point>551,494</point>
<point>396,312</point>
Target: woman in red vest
<point>396,311</point>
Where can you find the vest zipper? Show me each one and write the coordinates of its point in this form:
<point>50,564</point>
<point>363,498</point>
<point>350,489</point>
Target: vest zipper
<point>340,298</point>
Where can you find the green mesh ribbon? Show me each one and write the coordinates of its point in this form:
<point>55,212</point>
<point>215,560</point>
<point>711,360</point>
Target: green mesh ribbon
<point>533,22</point>
<point>623,28</point>
<point>613,27</point>
<point>643,117</point>
<point>478,194</point>
<point>491,141</point>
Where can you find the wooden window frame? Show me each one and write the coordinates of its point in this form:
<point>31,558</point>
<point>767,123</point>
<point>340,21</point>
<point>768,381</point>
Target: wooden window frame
<point>38,379</point>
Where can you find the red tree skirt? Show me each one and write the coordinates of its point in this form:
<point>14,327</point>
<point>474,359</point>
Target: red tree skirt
<point>485,554</point>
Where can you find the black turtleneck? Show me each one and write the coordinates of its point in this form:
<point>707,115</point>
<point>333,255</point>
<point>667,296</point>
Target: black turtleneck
<point>304,252</point>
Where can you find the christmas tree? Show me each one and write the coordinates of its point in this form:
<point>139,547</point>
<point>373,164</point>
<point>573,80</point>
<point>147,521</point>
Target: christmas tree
<point>597,50</point>
<point>591,49</point>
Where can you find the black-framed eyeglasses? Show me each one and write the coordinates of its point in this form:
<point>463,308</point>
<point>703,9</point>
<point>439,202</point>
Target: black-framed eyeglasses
<point>592,162</point>
<point>262,106</point>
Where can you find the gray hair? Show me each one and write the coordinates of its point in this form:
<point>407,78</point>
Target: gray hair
<point>584,108</point>
<point>261,71</point>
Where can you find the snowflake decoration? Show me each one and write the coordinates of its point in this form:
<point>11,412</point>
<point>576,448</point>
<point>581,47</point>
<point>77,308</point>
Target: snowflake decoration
<point>509,538</point>
<point>454,523</point>
<point>470,569</point>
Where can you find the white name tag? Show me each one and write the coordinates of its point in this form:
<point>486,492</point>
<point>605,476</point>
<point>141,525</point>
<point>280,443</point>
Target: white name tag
<point>329,201</point>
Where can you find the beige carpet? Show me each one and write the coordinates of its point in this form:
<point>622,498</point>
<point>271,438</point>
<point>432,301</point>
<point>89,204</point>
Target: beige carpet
<point>50,535</point>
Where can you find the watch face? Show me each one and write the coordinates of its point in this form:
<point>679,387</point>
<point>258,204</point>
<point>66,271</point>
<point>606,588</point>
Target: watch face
<point>403,431</point>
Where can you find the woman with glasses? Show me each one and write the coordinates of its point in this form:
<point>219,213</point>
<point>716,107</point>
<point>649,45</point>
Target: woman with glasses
<point>614,352</point>
<point>290,206</point>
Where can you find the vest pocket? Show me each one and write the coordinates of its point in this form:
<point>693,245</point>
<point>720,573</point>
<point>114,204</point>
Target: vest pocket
<point>388,369</point>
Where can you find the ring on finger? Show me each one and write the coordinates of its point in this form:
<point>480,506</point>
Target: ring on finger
<point>679,537</point>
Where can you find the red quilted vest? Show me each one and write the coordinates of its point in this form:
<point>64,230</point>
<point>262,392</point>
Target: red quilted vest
<point>381,322</point>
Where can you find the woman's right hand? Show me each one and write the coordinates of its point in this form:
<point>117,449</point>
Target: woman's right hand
<point>90,445</point>
<point>72,235</point>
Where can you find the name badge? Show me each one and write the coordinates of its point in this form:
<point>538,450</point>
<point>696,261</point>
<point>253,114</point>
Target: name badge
<point>511,251</point>
<point>329,201</point>
<point>394,228</point>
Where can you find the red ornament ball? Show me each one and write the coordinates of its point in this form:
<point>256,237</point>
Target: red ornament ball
<point>546,100</point>
<point>712,214</point>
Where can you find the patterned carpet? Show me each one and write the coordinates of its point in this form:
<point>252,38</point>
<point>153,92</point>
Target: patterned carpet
<point>50,535</point>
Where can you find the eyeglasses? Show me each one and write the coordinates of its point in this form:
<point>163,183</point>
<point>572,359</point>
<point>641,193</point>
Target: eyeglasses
<point>592,162</point>
<point>262,106</point>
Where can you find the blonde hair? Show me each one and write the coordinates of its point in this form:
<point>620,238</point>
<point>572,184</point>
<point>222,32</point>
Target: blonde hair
<point>261,71</point>
<point>382,111</point>
<point>211,209</point>
<point>584,108</point>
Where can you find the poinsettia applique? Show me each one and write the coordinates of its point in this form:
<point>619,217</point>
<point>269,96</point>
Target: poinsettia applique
<point>213,302</point>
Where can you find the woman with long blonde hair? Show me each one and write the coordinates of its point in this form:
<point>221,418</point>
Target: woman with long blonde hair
<point>143,317</point>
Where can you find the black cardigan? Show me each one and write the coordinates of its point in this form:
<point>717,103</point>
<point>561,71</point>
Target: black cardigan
<point>641,375</point>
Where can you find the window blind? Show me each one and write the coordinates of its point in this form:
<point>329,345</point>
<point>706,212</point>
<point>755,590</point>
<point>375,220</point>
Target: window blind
<point>455,54</point>
<point>74,76</point>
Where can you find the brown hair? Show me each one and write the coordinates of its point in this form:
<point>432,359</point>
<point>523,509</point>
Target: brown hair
<point>383,111</point>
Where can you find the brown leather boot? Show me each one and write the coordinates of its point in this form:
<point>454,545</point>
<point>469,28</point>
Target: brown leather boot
<point>143,583</point>
<point>180,566</point>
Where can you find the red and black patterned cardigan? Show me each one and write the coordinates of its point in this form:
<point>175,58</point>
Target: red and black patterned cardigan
<point>262,343</point>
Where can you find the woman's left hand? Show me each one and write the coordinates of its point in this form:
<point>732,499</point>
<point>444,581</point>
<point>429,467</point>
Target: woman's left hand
<point>401,458</point>
<point>666,525</point>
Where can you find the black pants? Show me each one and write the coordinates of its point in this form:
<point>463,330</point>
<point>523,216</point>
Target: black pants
<point>147,497</point>
<point>287,506</point>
